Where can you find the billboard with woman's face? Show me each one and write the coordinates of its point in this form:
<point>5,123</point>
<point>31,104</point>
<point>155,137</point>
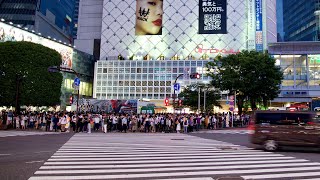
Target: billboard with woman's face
<point>149,17</point>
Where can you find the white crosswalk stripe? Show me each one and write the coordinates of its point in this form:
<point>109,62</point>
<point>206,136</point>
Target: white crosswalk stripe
<point>24,133</point>
<point>167,156</point>
<point>224,131</point>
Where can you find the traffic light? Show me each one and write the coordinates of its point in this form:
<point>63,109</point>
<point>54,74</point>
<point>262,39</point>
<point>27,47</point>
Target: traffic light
<point>71,100</point>
<point>195,76</point>
<point>166,102</point>
<point>180,102</point>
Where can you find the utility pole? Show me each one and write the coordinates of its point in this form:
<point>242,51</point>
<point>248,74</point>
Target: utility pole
<point>204,100</point>
<point>199,98</point>
<point>67,70</point>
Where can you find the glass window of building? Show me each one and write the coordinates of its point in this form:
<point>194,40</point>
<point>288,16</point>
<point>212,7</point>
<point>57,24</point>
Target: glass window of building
<point>99,70</point>
<point>145,70</point>
<point>138,70</point>
<point>105,70</point>
<point>174,70</point>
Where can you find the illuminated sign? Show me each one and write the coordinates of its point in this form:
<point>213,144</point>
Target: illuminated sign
<point>212,17</point>
<point>259,34</point>
<point>11,33</point>
<point>200,50</point>
<point>149,17</point>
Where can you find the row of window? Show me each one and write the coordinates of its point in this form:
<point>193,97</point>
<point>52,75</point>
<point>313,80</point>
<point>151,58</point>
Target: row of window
<point>134,83</point>
<point>131,96</point>
<point>147,70</point>
<point>145,90</point>
<point>150,63</point>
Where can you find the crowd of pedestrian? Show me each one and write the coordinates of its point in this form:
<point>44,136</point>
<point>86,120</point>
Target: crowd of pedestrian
<point>103,122</point>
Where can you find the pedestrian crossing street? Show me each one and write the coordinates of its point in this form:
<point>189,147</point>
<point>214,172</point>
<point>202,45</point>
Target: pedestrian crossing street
<point>235,131</point>
<point>23,133</point>
<point>167,156</point>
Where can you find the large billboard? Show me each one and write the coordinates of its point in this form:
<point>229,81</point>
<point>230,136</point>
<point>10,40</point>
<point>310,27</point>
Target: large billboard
<point>259,33</point>
<point>11,33</point>
<point>149,17</point>
<point>223,24</point>
<point>212,16</point>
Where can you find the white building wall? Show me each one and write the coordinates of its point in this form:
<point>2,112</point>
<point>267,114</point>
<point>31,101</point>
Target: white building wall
<point>270,22</point>
<point>89,24</point>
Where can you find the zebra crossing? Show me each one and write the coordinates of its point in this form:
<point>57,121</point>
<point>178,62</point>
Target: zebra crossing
<point>240,131</point>
<point>24,133</point>
<point>167,156</point>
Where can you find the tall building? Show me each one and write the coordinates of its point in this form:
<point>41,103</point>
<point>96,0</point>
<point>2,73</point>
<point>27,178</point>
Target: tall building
<point>301,20</point>
<point>52,18</point>
<point>21,12</point>
<point>142,49</point>
<point>60,13</point>
<point>75,19</point>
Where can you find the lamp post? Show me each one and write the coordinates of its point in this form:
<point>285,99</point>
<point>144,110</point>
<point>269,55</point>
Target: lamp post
<point>67,70</point>
<point>174,90</point>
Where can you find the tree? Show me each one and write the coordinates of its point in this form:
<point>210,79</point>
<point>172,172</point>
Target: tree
<point>251,75</point>
<point>24,76</point>
<point>190,96</point>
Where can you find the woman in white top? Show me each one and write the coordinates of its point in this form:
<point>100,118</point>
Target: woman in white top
<point>178,128</point>
<point>22,122</point>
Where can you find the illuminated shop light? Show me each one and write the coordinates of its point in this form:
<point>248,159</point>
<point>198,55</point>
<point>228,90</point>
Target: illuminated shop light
<point>26,28</point>
<point>74,46</point>
<point>54,39</point>
<point>49,37</point>
<point>18,26</point>
<point>11,23</point>
<point>2,20</point>
<point>39,33</point>
<point>33,31</point>
<point>60,41</point>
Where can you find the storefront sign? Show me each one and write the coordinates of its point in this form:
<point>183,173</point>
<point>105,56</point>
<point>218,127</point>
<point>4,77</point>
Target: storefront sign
<point>212,16</point>
<point>259,33</point>
<point>201,50</point>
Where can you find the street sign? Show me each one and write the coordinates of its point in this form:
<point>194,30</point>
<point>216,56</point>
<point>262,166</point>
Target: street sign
<point>176,86</point>
<point>77,82</point>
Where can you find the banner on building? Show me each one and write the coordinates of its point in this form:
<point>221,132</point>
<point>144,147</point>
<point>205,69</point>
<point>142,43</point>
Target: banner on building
<point>212,16</point>
<point>251,43</point>
<point>259,33</point>
<point>107,106</point>
<point>149,17</point>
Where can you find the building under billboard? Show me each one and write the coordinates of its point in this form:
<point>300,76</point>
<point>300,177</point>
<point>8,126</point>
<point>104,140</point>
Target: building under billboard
<point>142,46</point>
<point>81,62</point>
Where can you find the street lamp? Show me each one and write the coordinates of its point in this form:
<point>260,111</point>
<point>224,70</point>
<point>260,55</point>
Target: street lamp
<point>71,71</point>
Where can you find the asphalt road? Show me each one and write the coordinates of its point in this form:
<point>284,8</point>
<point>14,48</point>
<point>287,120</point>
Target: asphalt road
<point>21,156</point>
<point>244,140</point>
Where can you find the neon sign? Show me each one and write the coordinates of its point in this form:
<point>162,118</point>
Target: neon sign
<point>199,49</point>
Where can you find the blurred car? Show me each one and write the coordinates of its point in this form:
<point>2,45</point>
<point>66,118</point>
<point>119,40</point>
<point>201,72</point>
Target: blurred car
<point>274,129</point>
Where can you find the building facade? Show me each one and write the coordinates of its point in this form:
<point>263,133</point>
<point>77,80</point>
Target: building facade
<point>50,18</point>
<point>61,13</point>
<point>135,66</point>
<point>301,20</point>
<point>300,63</point>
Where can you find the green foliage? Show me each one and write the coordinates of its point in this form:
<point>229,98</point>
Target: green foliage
<point>250,74</point>
<point>28,63</point>
<point>190,96</point>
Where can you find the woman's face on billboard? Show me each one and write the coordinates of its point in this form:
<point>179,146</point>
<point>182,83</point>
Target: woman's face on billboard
<point>149,16</point>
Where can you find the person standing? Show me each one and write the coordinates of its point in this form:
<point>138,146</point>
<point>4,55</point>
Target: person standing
<point>124,123</point>
<point>178,127</point>
<point>105,123</point>
<point>185,125</point>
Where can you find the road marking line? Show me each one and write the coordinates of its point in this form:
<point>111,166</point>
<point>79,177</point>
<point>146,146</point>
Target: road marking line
<point>31,162</point>
<point>157,169</point>
<point>173,164</point>
<point>202,173</point>
<point>164,161</point>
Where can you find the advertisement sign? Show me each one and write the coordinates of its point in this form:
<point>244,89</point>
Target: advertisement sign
<point>212,16</point>
<point>107,106</point>
<point>149,17</point>
<point>11,33</point>
<point>251,25</point>
<point>259,34</point>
